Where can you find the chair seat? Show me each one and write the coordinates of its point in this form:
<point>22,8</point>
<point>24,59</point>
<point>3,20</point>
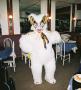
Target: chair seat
<point>4,54</point>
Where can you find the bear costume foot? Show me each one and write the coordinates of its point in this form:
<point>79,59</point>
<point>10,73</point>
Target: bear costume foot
<point>51,81</point>
<point>37,82</point>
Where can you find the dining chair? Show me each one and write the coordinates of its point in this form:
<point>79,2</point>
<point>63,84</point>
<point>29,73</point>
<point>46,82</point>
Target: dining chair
<point>26,57</point>
<point>8,43</point>
<point>63,52</point>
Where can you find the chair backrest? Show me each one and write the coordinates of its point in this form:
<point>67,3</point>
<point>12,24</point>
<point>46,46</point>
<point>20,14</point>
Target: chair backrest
<point>13,47</point>
<point>8,42</point>
<point>63,48</point>
<point>60,48</point>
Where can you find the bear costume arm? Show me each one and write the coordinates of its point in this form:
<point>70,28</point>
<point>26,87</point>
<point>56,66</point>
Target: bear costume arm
<point>25,43</point>
<point>55,37</point>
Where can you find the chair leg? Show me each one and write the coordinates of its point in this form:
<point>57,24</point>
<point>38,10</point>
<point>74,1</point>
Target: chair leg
<point>69,58</point>
<point>29,63</point>
<point>14,64</point>
<point>25,59</point>
<point>14,69</point>
<point>23,56</point>
<point>63,60</point>
<point>56,57</point>
<point>11,64</point>
<point>61,57</point>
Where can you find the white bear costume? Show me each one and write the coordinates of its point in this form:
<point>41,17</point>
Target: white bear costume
<point>42,53</point>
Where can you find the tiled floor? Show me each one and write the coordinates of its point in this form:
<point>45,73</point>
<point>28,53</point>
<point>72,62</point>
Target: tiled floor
<point>24,81</point>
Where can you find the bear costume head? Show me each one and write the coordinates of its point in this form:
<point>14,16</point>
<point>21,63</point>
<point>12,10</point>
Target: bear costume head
<point>38,22</point>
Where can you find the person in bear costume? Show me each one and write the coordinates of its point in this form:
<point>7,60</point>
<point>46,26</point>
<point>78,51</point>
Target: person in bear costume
<point>39,44</point>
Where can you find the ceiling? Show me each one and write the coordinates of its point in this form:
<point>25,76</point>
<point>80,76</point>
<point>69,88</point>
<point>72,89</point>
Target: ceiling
<point>30,6</point>
<point>33,6</point>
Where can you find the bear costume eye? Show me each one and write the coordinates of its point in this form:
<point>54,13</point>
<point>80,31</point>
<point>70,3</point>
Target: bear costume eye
<point>35,25</point>
<point>42,24</point>
<point>34,22</point>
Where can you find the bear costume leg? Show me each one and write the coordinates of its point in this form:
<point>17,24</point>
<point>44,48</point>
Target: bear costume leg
<point>50,68</point>
<point>37,73</point>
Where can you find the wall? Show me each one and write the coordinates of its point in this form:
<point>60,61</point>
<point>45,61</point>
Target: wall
<point>44,6</point>
<point>3,17</point>
<point>53,14</point>
<point>16,16</point>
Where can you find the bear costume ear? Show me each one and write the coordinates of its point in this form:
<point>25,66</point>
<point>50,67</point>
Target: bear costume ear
<point>44,19</point>
<point>31,19</point>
